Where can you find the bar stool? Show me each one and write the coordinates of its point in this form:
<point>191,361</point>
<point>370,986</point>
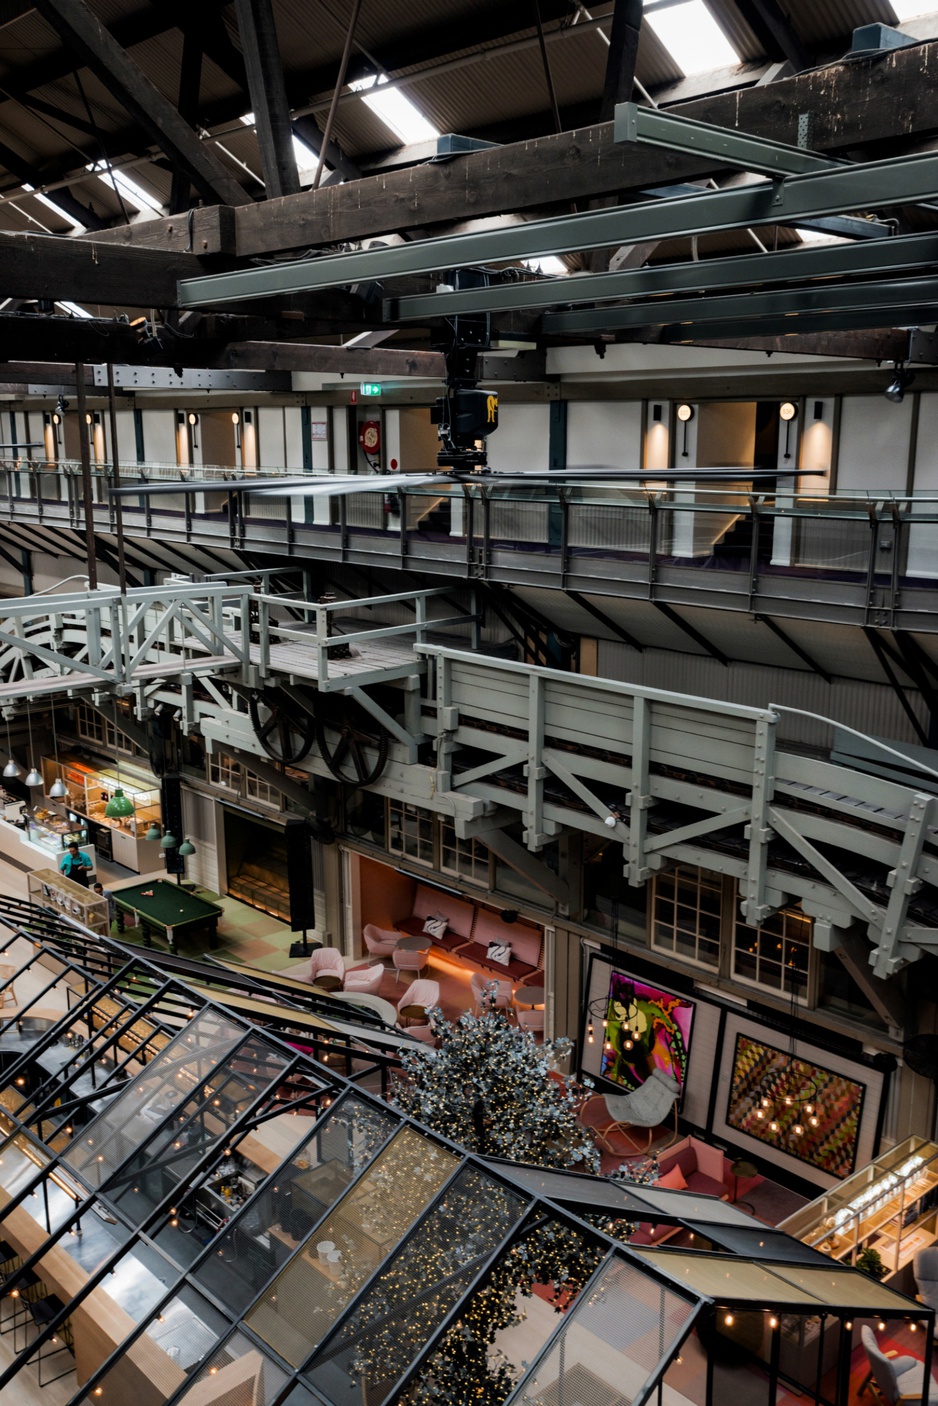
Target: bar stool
<point>7,989</point>
<point>27,1290</point>
<point>43,1311</point>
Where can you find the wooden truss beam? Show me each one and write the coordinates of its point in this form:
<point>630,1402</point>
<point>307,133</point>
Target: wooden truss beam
<point>268,96</point>
<point>85,35</point>
<point>852,103</point>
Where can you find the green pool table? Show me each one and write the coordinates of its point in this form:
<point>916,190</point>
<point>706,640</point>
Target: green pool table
<point>167,909</point>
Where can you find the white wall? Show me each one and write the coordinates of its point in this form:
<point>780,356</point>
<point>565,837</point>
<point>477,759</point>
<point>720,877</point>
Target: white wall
<point>522,438</point>
<point>159,436</point>
<point>271,450</point>
<point>601,432</point>
<point>874,444</point>
<point>926,446</point>
<point>319,415</point>
<point>293,437</point>
<point>198,815</point>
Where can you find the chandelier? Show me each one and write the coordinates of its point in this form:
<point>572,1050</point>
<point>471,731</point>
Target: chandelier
<point>787,1098</point>
<point>597,1013</point>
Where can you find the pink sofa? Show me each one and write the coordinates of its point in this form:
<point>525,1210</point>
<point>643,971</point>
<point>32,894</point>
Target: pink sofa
<point>525,943</point>
<point>469,930</point>
<point>705,1171</point>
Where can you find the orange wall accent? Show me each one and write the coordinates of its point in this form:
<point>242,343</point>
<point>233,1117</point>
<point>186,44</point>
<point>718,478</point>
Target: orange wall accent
<point>386,896</point>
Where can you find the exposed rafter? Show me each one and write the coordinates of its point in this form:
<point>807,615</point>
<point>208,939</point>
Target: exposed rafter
<point>88,39</point>
<point>268,96</point>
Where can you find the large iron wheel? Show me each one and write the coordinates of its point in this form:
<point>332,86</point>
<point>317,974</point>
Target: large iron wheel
<point>284,731</point>
<point>353,745</point>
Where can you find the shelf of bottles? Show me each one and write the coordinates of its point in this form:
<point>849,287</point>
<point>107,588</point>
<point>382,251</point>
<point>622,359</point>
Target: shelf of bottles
<point>890,1206</point>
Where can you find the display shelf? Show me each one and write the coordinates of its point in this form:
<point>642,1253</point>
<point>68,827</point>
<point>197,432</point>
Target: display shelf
<point>887,1206</point>
<point>50,889</point>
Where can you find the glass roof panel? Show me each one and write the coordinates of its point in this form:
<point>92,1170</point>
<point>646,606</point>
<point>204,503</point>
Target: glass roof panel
<point>765,1243</point>
<point>309,1295</point>
<point>263,1237</point>
<point>135,1115</point>
<point>723,1278</point>
<point>407,1302</point>
<point>176,1342</point>
<point>685,1205</point>
<point>507,1321</point>
<point>573,1187</point>
<point>21,1158</point>
<point>843,1288</point>
<point>239,1371</point>
<point>613,1340</point>
<point>163,1163</point>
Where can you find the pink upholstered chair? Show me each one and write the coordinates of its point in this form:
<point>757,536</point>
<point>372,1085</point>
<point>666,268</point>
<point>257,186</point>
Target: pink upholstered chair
<point>327,961</point>
<point>503,994</point>
<point>417,1000</point>
<point>424,1033</point>
<point>367,979</point>
<point>381,942</point>
<point>409,961</point>
<point>532,1020</point>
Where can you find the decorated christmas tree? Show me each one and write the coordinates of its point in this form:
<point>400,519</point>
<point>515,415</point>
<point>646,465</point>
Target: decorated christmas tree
<point>494,1089</point>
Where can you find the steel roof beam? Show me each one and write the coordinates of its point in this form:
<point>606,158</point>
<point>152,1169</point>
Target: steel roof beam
<point>902,298</point>
<point>898,181</point>
<point>873,256</point>
<point>651,126</point>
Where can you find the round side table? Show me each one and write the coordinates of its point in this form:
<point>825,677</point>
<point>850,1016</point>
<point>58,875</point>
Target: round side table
<point>742,1167</point>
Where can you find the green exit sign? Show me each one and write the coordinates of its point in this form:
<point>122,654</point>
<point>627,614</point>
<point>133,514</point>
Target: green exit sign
<point>370,388</point>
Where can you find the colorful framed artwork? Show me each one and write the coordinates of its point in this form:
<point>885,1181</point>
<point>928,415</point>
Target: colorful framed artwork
<point>831,1145</point>
<point>647,1028</point>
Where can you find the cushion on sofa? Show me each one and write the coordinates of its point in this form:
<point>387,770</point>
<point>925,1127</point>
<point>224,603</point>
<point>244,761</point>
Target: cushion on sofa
<point>673,1179</point>
<point>458,914</point>
<point>709,1160</point>
<point>525,941</point>
<point>684,1158</point>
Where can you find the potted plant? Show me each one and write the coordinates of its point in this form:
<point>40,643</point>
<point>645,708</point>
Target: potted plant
<point>871,1263</point>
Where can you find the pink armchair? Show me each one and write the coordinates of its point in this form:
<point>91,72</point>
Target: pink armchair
<point>417,1000</point>
<point>327,961</point>
<point>410,961</point>
<point>381,942</point>
<point>367,979</point>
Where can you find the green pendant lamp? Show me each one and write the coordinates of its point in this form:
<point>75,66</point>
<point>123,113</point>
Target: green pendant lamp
<point>119,807</point>
<point>168,841</point>
<point>186,848</point>
<point>154,832</point>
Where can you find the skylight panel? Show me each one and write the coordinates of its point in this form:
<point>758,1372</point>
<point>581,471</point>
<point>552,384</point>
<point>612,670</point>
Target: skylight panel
<point>127,187</point>
<point>396,111</point>
<point>306,159</point>
<point>56,210</point>
<point>692,37</point>
<point>547,263</point>
<point>911,9</point>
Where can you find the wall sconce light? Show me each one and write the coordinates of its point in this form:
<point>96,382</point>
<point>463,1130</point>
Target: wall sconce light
<point>685,413</point>
<point>193,422</point>
<point>788,411</point>
<point>236,421</point>
<point>656,413</point>
<point>819,410</point>
<point>902,379</point>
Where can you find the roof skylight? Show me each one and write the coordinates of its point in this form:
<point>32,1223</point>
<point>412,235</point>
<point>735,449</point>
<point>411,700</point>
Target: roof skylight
<point>138,197</point>
<point>396,111</point>
<point>911,9</point>
<point>692,36</point>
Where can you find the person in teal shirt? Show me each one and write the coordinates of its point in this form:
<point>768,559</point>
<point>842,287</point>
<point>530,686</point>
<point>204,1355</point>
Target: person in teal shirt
<point>75,865</point>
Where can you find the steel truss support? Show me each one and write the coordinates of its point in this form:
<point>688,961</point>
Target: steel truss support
<point>901,180</point>
<point>873,256</point>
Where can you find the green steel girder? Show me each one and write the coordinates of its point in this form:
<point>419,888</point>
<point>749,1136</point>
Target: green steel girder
<point>900,180</point>
<point>782,325</point>
<point>902,299</point>
<point>652,127</point>
<point>870,257</point>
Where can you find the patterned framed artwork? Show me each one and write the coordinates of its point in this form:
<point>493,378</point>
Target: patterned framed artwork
<point>647,1029</point>
<point>831,1147</point>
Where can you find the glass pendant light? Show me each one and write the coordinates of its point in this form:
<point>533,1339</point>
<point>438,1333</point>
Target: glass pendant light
<point>34,778</point>
<point>58,790</point>
<point>11,771</point>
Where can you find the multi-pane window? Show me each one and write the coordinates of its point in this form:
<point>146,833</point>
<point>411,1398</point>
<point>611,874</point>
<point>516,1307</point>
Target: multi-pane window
<point>776,953</point>
<point>256,789</point>
<point>93,726</point>
<point>465,859</point>
<point>686,914</point>
<point>410,832</point>
<point>224,771</point>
